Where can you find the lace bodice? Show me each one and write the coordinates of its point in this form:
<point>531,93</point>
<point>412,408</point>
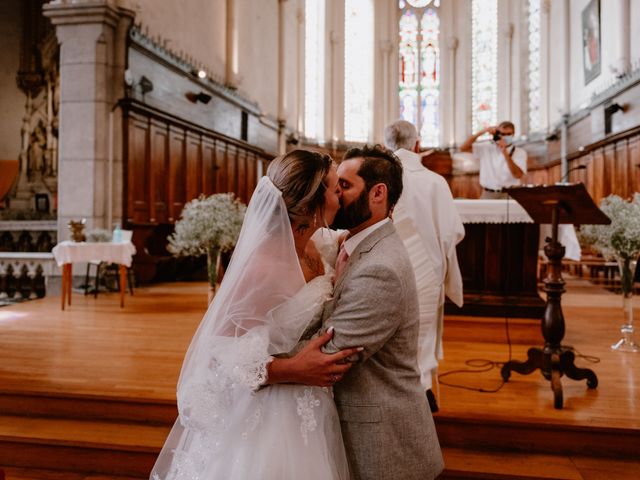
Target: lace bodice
<point>227,424</point>
<point>241,362</point>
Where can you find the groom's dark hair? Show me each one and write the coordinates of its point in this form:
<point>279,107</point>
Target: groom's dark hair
<point>379,165</point>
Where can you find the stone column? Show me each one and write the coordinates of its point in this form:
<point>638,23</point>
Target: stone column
<point>282,116</point>
<point>450,87</point>
<point>231,47</point>
<point>92,58</point>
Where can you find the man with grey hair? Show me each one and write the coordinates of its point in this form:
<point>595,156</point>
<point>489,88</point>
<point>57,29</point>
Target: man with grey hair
<point>429,225</point>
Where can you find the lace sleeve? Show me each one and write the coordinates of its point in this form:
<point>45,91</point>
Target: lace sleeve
<point>236,364</point>
<point>300,316</point>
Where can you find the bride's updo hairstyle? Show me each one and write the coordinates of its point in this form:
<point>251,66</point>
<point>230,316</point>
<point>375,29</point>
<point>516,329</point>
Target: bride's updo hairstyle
<point>300,176</point>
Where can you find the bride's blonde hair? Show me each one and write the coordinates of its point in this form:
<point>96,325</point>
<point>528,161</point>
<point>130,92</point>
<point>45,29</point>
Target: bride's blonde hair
<point>300,176</point>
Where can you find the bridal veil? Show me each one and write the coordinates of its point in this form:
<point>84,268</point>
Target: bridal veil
<point>228,356</point>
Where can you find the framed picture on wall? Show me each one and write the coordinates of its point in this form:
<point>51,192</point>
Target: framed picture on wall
<point>591,55</point>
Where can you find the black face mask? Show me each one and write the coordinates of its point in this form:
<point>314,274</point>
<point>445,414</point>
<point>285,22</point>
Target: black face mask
<point>354,214</point>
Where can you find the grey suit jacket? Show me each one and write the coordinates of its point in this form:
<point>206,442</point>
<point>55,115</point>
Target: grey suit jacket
<point>386,422</point>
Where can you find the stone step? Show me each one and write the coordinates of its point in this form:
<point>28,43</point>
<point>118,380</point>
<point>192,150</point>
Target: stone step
<point>112,448</point>
<point>458,431</point>
<point>12,473</point>
<point>503,465</point>
<point>87,407</point>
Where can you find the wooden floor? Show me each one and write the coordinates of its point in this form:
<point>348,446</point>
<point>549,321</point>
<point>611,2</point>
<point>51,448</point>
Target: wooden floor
<point>95,351</point>
<point>593,317</point>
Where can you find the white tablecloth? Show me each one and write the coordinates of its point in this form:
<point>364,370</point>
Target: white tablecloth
<point>491,211</point>
<point>71,252</point>
<point>510,211</point>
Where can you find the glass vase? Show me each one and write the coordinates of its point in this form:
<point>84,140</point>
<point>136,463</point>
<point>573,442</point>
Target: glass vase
<point>627,268</point>
<point>213,269</point>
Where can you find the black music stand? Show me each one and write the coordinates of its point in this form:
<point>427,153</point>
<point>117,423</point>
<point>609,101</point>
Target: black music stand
<point>555,204</point>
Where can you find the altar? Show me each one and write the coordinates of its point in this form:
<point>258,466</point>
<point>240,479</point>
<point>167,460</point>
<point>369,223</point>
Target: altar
<point>498,259</point>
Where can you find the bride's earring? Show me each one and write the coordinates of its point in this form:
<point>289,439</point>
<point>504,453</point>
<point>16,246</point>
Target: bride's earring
<point>315,220</point>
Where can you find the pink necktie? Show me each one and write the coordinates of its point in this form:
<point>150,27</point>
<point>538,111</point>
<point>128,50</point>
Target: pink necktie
<point>341,261</point>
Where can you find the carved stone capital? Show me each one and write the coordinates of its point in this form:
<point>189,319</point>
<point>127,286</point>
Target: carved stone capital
<point>63,12</point>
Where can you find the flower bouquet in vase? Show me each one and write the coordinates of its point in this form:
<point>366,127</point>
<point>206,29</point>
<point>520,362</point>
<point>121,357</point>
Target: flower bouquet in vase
<point>619,240</point>
<point>208,226</point>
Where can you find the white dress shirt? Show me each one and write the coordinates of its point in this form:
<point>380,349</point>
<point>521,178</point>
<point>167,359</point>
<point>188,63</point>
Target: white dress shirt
<point>494,171</point>
<point>351,243</point>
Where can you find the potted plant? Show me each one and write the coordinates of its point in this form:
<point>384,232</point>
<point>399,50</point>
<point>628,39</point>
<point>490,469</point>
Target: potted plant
<point>208,226</point>
<point>619,240</point>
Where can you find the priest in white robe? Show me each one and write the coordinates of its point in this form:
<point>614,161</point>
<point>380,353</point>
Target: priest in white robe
<point>430,227</point>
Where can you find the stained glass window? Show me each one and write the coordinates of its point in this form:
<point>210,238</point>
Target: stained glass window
<point>419,3</point>
<point>484,57</point>
<point>533,15</point>
<point>419,69</point>
<point>358,70</point>
<point>314,27</point>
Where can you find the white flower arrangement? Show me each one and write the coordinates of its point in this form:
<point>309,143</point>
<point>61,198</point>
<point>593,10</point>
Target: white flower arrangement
<point>621,238</point>
<point>208,224</point>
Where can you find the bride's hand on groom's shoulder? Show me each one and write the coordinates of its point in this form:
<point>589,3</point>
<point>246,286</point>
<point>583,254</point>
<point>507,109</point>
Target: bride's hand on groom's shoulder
<point>310,366</point>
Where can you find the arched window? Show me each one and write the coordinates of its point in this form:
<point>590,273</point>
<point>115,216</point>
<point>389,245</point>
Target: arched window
<point>533,17</point>
<point>358,70</point>
<point>419,69</point>
<point>314,68</point>
<point>484,58</point>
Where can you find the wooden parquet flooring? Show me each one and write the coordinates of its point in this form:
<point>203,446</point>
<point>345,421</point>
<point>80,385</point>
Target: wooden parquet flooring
<point>97,382</point>
<point>592,317</point>
<point>95,348</point>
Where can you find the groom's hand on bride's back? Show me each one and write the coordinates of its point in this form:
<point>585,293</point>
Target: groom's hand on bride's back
<point>310,366</point>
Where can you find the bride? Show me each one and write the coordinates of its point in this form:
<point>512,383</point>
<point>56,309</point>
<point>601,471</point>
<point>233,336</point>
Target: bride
<point>230,425</point>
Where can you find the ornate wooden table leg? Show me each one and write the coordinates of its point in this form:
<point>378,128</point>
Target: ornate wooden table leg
<point>570,370</point>
<point>63,287</point>
<point>69,282</point>
<point>123,279</point>
<point>533,362</point>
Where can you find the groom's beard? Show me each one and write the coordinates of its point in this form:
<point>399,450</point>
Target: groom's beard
<point>354,214</point>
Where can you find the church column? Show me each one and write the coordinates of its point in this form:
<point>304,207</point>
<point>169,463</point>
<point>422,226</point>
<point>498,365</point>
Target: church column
<point>300,47</point>
<point>231,61</point>
<point>282,119</point>
<point>450,88</point>
<point>624,39</point>
<point>545,65</point>
<point>385,77</point>
<point>90,85</point>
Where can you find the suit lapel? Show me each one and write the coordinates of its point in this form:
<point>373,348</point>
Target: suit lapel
<point>365,246</point>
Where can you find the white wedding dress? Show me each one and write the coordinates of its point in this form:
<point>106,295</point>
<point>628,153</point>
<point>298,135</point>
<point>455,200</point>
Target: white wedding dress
<point>232,427</point>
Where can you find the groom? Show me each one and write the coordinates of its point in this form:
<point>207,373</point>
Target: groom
<point>386,422</point>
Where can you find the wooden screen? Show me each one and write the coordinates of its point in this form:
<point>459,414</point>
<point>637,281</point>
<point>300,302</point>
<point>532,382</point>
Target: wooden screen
<point>169,162</point>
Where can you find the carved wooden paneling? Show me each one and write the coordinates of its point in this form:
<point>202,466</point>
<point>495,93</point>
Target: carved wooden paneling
<point>209,168</point>
<point>465,186</point>
<point>634,162</point>
<point>169,162</point>
<point>222,179</point>
<point>177,172</point>
<point>241,162</point>
<point>138,171</point>
<point>159,155</point>
<point>620,167</point>
<point>612,166</point>
<point>193,164</point>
